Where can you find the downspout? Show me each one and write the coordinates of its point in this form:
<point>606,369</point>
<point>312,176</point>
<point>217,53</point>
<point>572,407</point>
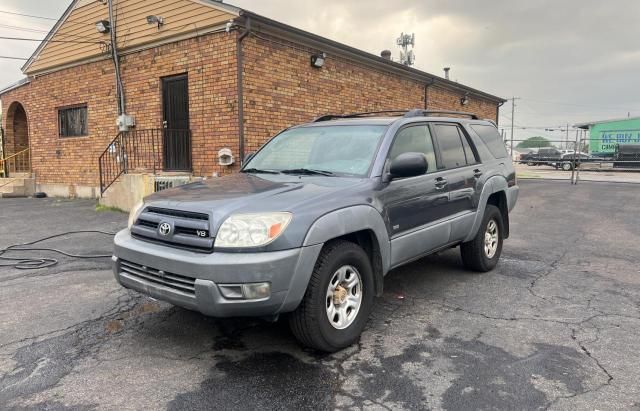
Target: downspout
<point>426,95</point>
<point>116,62</point>
<point>240,64</point>
<point>498,111</point>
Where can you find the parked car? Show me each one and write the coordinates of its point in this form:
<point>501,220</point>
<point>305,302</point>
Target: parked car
<point>317,218</point>
<point>544,155</point>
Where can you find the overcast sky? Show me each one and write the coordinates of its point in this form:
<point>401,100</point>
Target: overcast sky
<point>569,60</point>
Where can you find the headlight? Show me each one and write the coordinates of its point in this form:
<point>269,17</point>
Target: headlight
<point>135,211</point>
<point>251,230</point>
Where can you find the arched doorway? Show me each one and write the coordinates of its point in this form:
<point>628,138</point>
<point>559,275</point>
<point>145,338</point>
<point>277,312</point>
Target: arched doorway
<point>16,140</point>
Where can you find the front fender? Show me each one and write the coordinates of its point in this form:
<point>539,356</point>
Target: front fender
<point>349,220</point>
<point>494,184</point>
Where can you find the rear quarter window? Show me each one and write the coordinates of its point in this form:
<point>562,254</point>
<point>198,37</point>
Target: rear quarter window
<point>491,138</point>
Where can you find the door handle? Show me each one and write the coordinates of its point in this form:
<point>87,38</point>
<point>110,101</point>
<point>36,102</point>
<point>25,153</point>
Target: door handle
<point>440,182</point>
<point>477,173</point>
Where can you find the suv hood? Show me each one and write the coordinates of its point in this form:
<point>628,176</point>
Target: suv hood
<point>241,192</point>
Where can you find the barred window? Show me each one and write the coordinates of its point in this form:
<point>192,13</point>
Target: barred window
<point>72,121</point>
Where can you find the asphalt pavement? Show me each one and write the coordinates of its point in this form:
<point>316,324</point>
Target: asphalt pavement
<point>555,326</point>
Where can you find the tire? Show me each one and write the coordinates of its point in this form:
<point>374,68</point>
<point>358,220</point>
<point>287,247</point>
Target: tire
<point>530,163</point>
<point>475,255</point>
<point>567,166</point>
<point>310,322</point>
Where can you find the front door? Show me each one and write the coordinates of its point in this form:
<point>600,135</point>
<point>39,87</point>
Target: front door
<point>414,205</point>
<point>176,134</point>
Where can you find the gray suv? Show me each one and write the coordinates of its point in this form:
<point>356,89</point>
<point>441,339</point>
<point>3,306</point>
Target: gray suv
<point>319,215</point>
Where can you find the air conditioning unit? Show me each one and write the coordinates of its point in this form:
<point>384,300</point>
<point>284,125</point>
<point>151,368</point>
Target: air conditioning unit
<point>162,183</point>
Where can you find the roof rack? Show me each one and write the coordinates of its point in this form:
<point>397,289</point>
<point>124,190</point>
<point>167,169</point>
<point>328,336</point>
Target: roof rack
<point>328,117</point>
<point>404,113</point>
<point>427,113</point>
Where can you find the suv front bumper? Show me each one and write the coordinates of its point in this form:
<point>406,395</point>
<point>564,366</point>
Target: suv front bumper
<point>286,271</point>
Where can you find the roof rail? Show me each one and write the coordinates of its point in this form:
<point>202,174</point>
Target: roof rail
<point>427,113</point>
<point>328,117</point>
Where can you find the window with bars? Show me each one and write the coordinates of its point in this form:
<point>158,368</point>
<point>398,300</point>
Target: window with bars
<point>72,121</point>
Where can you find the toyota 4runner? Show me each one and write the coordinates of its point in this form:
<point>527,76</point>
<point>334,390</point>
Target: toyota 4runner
<point>318,216</point>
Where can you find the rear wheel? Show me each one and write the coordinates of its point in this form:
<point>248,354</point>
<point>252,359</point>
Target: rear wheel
<point>567,166</point>
<point>338,300</point>
<point>483,252</point>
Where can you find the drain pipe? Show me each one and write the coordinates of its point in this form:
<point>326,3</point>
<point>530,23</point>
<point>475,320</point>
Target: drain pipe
<point>498,111</point>
<point>116,62</point>
<point>240,64</point>
<point>426,95</point>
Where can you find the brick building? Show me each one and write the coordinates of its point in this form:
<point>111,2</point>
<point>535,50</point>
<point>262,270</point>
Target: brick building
<point>202,77</point>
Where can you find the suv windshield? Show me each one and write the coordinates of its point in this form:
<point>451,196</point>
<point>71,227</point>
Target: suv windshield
<point>318,150</point>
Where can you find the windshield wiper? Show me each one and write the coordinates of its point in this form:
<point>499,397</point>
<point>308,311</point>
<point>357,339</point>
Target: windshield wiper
<point>259,171</point>
<point>307,171</point>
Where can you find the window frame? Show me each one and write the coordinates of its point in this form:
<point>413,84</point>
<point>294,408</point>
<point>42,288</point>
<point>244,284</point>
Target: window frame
<point>436,153</point>
<point>69,107</point>
<point>462,134</point>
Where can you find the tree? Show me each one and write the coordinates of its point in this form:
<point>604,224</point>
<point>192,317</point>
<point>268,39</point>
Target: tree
<point>534,142</point>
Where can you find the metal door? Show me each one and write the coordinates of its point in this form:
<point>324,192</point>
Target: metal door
<point>176,135</point>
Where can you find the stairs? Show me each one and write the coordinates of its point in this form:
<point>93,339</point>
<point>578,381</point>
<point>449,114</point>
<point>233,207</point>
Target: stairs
<point>18,185</point>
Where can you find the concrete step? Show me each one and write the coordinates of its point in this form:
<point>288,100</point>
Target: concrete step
<point>17,187</point>
<point>21,175</point>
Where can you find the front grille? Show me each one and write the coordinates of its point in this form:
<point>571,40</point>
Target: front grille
<point>189,230</point>
<point>177,282</point>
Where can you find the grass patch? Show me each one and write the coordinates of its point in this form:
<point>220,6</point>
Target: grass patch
<point>101,208</point>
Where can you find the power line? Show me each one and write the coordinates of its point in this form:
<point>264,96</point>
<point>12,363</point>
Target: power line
<point>27,15</point>
<point>52,41</point>
<point>13,58</point>
<point>32,30</point>
<point>578,105</point>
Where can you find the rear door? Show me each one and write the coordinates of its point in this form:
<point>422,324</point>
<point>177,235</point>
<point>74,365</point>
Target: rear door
<point>462,172</point>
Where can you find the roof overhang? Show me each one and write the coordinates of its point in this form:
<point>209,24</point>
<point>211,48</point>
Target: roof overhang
<point>613,120</point>
<point>15,85</point>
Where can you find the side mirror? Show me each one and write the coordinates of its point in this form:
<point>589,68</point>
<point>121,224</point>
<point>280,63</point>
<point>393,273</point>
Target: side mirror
<point>248,158</point>
<point>408,165</point>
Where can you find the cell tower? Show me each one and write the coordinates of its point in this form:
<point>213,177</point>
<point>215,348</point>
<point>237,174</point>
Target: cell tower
<point>406,56</point>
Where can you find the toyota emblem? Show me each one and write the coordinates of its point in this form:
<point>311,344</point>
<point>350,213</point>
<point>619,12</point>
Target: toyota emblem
<point>164,229</point>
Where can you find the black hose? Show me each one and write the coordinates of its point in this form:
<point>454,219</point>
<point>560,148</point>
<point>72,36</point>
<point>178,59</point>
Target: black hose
<point>38,262</point>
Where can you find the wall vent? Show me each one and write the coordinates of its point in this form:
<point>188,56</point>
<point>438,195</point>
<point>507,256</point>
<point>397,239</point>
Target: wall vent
<point>162,183</point>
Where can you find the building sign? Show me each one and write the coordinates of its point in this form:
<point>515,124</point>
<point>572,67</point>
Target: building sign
<point>607,140</point>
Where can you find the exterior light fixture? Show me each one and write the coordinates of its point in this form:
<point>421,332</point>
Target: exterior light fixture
<point>464,100</point>
<point>103,26</point>
<point>317,60</point>
<point>155,20</point>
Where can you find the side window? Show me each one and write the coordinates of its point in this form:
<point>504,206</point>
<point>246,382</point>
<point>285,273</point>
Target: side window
<point>450,145</point>
<point>491,138</point>
<point>468,151</point>
<point>72,121</point>
<point>415,139</point>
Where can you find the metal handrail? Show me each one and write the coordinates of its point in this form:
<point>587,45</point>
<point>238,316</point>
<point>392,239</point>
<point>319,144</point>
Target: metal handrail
<point>139,150</point>
<point>6,161</point>
<point>2,160</point>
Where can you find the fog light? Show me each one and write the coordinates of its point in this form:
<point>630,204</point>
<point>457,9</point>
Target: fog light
<point>256,291</point>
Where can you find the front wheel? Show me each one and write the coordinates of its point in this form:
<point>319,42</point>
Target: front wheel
<point>338,300</point>
<point>567,166</point>
<point>483,252</point>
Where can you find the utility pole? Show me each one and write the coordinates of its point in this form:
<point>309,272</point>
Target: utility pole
<point>513,115</point>
<point>566,143</point>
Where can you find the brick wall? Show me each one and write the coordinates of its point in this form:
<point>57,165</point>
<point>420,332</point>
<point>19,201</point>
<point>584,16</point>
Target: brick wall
<point>211,67</point>
<point>282,89</point>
